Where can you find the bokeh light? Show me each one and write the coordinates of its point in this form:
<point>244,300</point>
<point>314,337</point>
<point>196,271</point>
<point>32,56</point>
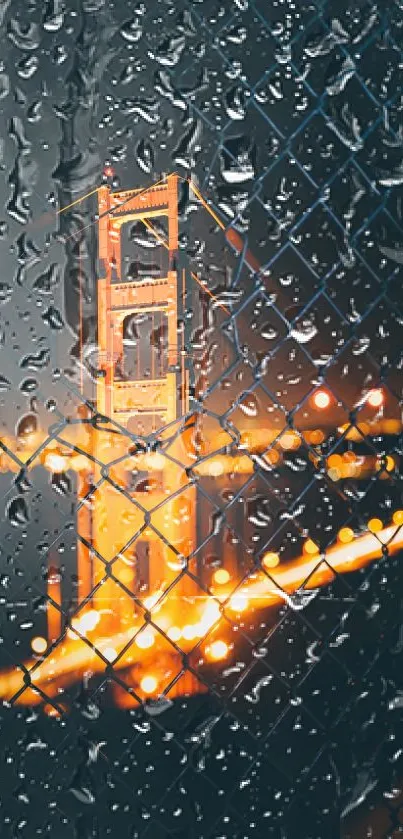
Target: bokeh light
<point>376,398</point>
<point>148,684</point>
<point>39,644</point>
<point>218,650</point>
<point>321,400</point>
<point>270,559</point>
<point>221,576</point>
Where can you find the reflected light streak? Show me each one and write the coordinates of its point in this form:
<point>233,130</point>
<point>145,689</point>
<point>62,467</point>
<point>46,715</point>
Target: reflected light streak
<point>71,659</point>
<point>312,572</point>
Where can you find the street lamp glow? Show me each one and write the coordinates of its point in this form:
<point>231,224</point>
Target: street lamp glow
<point>218,650</point>
<point>375,525</point>
<point>221,576</point>
<point>310,547</point>
<point>148,684</point>
<point>144,640</point>
<point>321,400</point>
<point>55,462</point>
<point>376,398</point>
<point>346,535</point>
<point>39,645</point>
<point>270,560</point>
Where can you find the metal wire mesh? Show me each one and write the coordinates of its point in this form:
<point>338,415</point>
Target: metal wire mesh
<point>288,118</point>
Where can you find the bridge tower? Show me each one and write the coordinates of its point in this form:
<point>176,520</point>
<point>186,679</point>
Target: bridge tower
<point>146,536</point>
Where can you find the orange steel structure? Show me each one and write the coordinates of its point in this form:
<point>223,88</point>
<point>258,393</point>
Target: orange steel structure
<point>163,517</point>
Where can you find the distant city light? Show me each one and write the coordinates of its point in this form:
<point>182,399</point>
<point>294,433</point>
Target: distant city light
<point>148,684</point>
<point>311,547</point>
<point>376,398</point>
<point>221,576</point>
<point>289,440</point>
<point>189,632</point>
<point>346,535</point>
<point>86,622</point>
<point>216,467</point>
<point>239,603</point>
<point>39,645</point>
<point>321,399</point>
<point>144,640</point>
<point>375,525</point>
<point>174,633</point>
<point>270,560</point>
<point>109,653</point>
<point>151,601</point>
<point>55,462</point>
<point>218,650</point>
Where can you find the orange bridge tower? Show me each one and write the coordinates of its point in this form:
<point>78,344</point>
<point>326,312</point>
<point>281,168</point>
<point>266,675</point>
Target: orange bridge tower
<point>137,529</point>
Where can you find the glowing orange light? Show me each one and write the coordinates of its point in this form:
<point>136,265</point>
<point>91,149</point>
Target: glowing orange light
<point>346,535</point>
<point>311,547</point>
<point>315,437</point>
<point>174,633</point>
<point>126,575</point>
<point>79,462</point>
<point>148,684</point>
<point>85,623</point>
<point>51,711</point>
<point>39,644</point>
<point>151,601</point>
<point>155,461</point>
<point>216,468</point>
<point>144,640</point>
<point>272,456</point>
<point>211,615</point>
<point>112,522</point>
<point>55,462</point>
<point>376,398</point>
<point>189,632</point>
<point>270,560</point>
<point>375,525</point>
<point>289,440</point>
<point>109,653</point>
<point>221,576</point>
<point>321,400</point>
<point>218,650</point>
<point>239,602</point>
<point>334,461</point>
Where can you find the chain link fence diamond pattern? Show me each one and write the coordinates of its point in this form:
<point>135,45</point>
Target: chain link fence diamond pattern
<point>288,118</point>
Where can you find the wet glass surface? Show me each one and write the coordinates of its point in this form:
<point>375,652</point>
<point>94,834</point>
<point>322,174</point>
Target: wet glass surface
<point>201,543</point>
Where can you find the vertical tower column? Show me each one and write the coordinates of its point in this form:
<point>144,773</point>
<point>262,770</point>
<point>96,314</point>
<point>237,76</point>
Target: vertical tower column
<point>165,394</point>
<point>54,614</point>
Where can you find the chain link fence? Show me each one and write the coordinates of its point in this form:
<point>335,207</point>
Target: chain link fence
<point>280,715</point>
